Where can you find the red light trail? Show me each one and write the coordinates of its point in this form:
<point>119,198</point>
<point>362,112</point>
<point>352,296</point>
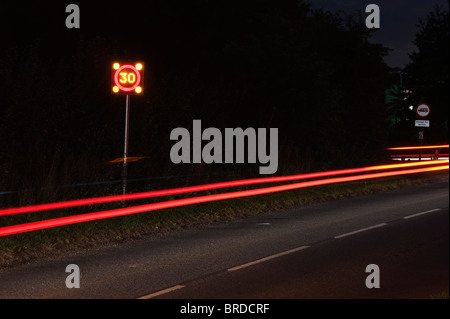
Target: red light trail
<point>10,230</point>
<point>417,147</point>
<point>190,189</point>
<point>417,155</point>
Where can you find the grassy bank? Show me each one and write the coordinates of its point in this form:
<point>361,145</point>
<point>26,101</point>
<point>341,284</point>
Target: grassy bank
<point>20,248</point>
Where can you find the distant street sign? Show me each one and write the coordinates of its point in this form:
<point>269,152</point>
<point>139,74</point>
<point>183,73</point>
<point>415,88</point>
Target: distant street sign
<point>423,110</point>
<point>422,123</point>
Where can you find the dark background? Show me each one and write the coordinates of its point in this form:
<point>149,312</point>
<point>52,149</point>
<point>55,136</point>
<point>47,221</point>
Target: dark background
<point>317,76</point>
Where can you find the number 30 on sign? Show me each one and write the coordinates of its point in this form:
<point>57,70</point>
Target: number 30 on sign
<point>127,78</point>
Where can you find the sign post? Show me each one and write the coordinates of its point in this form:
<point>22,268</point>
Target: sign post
<point>421,142</point>
<point>125,148</point>
<point>127,79</point>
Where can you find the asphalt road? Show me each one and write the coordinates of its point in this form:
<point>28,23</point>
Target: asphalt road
<point>320,251</point>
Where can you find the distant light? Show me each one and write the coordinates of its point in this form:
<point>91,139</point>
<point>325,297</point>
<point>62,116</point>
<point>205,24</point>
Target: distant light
<point>138,89</point>
<point>411,107</point>
<point>116,66</point>
<point>115,89</point>
<point>139,66</point>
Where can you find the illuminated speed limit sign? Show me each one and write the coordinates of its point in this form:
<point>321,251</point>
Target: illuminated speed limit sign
<point>128,78</point>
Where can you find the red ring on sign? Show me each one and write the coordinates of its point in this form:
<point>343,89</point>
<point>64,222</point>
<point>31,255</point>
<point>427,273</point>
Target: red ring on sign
<point>124,88</point>
<point>417,110</point>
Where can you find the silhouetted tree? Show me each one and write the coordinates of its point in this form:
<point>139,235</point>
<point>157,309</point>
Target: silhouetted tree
<point>428,73</point>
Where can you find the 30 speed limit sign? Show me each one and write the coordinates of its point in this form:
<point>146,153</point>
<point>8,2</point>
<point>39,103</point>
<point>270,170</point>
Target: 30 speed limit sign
<point>128,78</point>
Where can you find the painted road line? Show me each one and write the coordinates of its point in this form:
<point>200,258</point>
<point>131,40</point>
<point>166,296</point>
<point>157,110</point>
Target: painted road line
<point>162,292</point>
<point>422,213</point>
<point>360,230</point>
<point>267,258</point>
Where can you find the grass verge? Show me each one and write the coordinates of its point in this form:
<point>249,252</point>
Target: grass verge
<point>22,248</point>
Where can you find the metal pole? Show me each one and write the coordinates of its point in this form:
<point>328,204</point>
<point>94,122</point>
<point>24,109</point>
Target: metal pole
<point>125,148</point>
<point>421,140</point>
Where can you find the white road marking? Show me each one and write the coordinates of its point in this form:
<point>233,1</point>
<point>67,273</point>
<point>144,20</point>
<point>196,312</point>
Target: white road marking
<point>267,258</point>
<point>422,213</point>
<point>165,291</point>
<point>161,292</point>
<point>360,230</point>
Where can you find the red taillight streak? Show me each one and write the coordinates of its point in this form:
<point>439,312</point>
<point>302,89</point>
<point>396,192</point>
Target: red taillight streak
<point>390,166</point>
<point>417,155</point>
<point>417,147</point>
<point>190,189</point>
<point>10,230</point>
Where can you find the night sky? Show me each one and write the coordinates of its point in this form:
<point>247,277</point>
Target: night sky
<point>398,22</point>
